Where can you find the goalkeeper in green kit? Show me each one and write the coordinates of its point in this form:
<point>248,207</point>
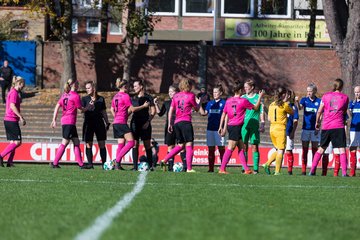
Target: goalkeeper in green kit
<point>254,123</point>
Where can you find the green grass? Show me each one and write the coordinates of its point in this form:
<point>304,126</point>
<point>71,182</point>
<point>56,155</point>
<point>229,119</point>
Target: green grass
<point>42,203</point>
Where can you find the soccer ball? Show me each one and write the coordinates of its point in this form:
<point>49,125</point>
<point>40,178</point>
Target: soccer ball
<point>143,166</point>
<point>178,167</point>
<point>109,165</point>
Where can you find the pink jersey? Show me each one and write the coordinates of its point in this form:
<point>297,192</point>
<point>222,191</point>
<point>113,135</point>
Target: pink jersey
<point>121,103</point>
<point>183,102</point>
<point>69,102</point>
<point>335,107</point>
<point>12,97</point>
<point>235,108</point>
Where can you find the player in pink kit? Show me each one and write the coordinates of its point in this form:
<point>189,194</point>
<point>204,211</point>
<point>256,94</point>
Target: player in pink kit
<point>232,119</point>
<point>121,108</point>
<point>333,107</point>
<point>11,121</point>
<point>182,103</point>
<point>70,102</point>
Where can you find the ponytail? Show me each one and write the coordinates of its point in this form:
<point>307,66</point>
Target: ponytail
<point>68,84</point>
<point>17,79</point>
<point>338,85</point>
<point>120,83</point>
<point>280,96</point>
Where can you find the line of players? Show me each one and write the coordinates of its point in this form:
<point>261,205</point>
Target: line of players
<point>242,116</point>
<point>244,119</point>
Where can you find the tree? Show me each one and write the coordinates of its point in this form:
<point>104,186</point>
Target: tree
<point>137,25</point>
<point>310,41</point>
<point>60,13</point>
<point>104,21</point>
<point>343,22</point>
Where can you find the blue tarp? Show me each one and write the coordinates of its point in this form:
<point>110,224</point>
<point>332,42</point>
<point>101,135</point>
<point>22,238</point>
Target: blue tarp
<point>22,58</point>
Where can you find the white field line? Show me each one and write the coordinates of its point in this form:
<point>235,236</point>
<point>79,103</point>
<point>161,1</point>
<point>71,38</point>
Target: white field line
<point>182,184</point>
<point>104,221</point>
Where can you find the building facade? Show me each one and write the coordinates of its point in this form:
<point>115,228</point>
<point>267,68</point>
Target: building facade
<point>217,22</point>
<point>242,22</point>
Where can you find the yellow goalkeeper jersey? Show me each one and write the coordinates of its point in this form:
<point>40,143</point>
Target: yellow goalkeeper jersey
<point>278,114</point>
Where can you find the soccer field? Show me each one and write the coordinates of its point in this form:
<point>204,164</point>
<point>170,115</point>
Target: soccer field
<point>43,203</point>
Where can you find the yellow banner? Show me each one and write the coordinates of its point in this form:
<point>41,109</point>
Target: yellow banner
<point>274,30</point>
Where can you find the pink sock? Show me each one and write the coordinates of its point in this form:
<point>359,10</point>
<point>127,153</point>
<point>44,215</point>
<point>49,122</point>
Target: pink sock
<point>78,157</point>
<point>124,150</point>
<point>343,163</point>
<point>59,154</point>
<point>9,148</point>
<point>189,157</point>
<point>173,152</point>
<point>315,162</point>
<point>225,159</point>
<point>120,147</point>
<point>243,160</point>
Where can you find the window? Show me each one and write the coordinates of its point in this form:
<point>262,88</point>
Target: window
<point>302,9</point>
<point>239,8</point>
<point>115,28</point>
<point>93,26</point>
<point>164,7</point>
<point>198,7</point>
<point>19,29</point>
<point>275,8</point>
<point>305,14</point>
<point>74,25</point>
<point>91,3</point>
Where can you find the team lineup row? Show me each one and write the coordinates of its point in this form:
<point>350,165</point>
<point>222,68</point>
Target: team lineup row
<point>241,116</point>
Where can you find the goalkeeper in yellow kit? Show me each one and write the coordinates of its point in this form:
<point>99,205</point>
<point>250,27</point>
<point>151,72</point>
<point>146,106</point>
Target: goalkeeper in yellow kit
<point>277,116</point>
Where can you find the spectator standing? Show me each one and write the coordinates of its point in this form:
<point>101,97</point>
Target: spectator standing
<point>6,76</point>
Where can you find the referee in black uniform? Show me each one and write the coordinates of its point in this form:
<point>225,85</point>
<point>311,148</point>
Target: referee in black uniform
<point>96,122</point>
<point>141,123</point>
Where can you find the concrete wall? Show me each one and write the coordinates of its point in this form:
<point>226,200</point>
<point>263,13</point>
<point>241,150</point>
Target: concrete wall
<point>162,65</point>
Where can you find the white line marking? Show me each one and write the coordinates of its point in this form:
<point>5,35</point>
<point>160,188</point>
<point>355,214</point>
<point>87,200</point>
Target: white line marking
<point>104,221</point>
<point>182,184</point>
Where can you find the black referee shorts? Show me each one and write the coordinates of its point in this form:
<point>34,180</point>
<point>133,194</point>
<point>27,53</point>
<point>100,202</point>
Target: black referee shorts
<point>139,132</point>
<point>91,128</point>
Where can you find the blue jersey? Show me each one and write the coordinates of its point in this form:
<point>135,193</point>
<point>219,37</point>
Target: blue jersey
<point>354,108</point>
<point>214,109</point>
<point>310,110</point>
<point>291,118</point>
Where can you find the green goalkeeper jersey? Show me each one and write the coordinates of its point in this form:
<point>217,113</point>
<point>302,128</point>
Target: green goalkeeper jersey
<point>252,117</point>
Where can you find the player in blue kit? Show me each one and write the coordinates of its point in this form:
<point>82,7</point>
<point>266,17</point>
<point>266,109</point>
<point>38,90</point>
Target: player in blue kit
<point>214,110</point>
<point>310,104</point>
<point>354,113</point>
